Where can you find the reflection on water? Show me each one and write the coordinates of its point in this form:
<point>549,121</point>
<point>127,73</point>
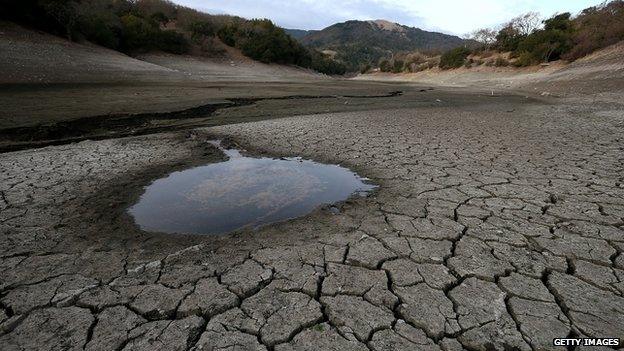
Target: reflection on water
<point>243,191</point>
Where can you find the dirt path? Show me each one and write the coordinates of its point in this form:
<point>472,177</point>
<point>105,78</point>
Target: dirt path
<point>498,225</point>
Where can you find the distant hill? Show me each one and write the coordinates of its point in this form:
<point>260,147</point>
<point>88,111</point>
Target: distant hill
<point>359,43</point>
<point>299,33</point>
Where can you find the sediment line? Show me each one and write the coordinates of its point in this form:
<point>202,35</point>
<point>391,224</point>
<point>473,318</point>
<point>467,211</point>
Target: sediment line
<point>113,126</point>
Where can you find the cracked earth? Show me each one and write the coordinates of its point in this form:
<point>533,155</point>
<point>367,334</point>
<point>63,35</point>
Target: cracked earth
<point>497,226</point>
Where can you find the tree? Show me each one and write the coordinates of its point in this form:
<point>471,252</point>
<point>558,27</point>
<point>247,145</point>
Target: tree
<point>527,23</point>
<point>512,33</point>
<point>547,44</point>
<point>508,38</point>
<point>485,36</point>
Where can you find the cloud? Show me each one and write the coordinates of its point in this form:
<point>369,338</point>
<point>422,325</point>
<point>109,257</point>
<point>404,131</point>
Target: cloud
<point>450,16</point>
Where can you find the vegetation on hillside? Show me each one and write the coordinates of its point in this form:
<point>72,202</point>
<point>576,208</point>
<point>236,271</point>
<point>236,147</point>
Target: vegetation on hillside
<point>263,41</point>
<point>531,41</point>
<point>133,26</point>
<point>454,58</point>
<point>524,41</point>
<point>360,44</point>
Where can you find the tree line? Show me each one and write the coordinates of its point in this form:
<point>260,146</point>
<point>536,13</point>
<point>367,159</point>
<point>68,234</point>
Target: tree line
<point>532,41</point>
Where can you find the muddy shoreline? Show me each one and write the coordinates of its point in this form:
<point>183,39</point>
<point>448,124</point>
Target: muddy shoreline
<point>121,125</point>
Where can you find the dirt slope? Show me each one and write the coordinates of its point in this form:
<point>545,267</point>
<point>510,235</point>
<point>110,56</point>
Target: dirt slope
<point>28,56</point>
<point>600,74</point>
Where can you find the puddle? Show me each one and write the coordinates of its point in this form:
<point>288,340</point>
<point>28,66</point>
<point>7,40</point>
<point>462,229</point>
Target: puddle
<point>242,192</point>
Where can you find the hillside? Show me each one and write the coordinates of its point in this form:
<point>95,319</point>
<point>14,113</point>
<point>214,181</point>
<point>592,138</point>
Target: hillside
<point>142,26</point>
<point>360,43</point>
<point>298,33</point>
<point>30,56</point>
<point>600,75</point>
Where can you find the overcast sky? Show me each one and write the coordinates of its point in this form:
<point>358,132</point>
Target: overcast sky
<point>449,16</point>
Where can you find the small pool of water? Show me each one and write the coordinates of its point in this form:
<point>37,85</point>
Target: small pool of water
<point>242,192</point>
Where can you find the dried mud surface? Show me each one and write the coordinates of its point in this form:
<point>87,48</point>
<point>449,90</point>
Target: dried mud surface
<point>498,225</point>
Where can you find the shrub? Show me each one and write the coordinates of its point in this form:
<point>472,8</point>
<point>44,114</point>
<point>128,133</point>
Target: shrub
<point>525,59</point>
<point>200,30</point>
<point>160,18</point>
<point>58,17</point>
<point>322,63</point>
<point>137,33</point>
<point>171,41</point>
<point>385,66</point>
<point>454,58</point>
<point>228,33</point>
<point>101,31</point>
<point>415,58</point>
<point>501,62</point>
<point>397,66</point>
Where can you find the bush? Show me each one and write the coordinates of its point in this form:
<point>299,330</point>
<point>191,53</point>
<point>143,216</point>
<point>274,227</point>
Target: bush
<point>501,62</point>
<point>172,41</point>
<point>139,34</point>
<point>325,64</point>
<point>526,59</point>
<point>454,58</point>
<point>385,66</point>
<point>160,18</point>
<point>200,30</point>
<point>101,31</point>
<point>58,17</point>
<point>228,34</point>
<point>397,66</point>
